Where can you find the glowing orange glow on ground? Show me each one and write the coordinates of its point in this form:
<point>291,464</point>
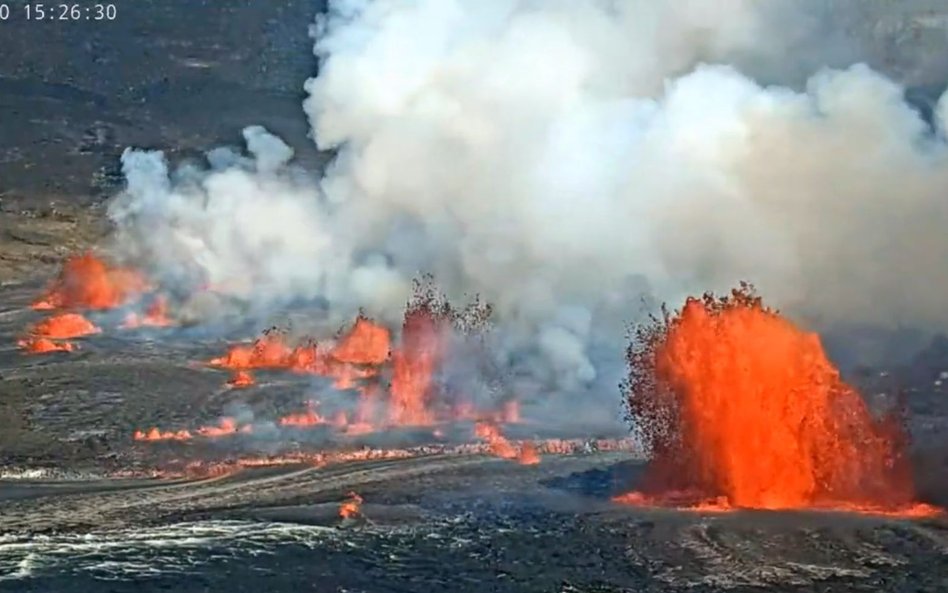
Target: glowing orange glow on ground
<point>303,419</point>
<point>44,336</point>
<point>227,426</point>
<point>156,315</point>
<point>740,408</point>
<point>241,379</point>
<point>64,326</point>
<point>154,434</point>
<point>360,359</point>
<point>528,454</point>
<point>88,282</point>
<point>269,351</point>
<point>44,346</point>
<point>326,458</point>
<point>352,507</point>
<point>499,445</point>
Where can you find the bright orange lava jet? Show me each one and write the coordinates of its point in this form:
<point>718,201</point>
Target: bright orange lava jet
<point>740,408</point>
<point>414,364</point>
<point>88,282</point>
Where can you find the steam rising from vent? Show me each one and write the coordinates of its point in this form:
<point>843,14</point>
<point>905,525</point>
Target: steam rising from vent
<point>563,159</point>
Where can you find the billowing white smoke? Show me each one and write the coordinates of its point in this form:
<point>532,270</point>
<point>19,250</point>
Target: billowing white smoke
<point>564,157</point>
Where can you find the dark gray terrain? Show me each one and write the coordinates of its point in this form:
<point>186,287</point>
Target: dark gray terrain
<point>187,75</point>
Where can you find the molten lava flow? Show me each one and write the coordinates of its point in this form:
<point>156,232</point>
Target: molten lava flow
<point>241,379</point>
<point>64,326</point>
<point>528,454</point>
<point>156,315</point>
<point>501,447</point>
<point>740,408</point>
<point>154,434</point>
<point>226,427</point>
<point>42,336</point>
<point>351,508</point>
<point>45,345</point>
<point>88,282</point>
<point>367,343</point>
<point>269,351</point>
<point>414,364</point>
<point>301,420</point>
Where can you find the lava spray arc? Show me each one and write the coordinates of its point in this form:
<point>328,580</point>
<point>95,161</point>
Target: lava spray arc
<point>740,408</point>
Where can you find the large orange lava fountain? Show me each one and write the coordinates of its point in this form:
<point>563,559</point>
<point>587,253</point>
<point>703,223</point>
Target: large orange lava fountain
<point>740,408</point>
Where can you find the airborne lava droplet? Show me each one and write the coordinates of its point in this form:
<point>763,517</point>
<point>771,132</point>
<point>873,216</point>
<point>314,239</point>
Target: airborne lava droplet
<point>740,408</point>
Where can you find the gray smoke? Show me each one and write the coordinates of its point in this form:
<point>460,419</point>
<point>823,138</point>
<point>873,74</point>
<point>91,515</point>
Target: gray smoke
<point>565,158</point>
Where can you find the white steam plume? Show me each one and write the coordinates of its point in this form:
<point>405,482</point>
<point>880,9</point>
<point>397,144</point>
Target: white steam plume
<point>563,157</point>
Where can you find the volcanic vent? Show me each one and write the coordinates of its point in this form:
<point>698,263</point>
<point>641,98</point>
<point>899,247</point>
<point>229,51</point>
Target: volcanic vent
<point>740,408</point>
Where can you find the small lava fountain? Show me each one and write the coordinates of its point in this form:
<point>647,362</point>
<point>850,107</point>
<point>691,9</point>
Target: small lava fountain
<point>741,408</point>
<point>351,508</point>
<point>89,282</point>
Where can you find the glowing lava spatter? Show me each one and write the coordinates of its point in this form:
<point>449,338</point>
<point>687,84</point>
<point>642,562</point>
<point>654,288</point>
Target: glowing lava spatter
<point>363,357</point>
<point>64,326</point>
<point>415,361</point>
<point>367,343</point>
<point>88,282</point>
<point>352,507</point>
<point>308,418</point>
<point>225,427</point>
<point>241,379</point>
<point>156,315</point>
<point>269,351</point>
<point>44,336</point>
<point>740,408</point>
<point>44,346</point>
<point>501,447</point>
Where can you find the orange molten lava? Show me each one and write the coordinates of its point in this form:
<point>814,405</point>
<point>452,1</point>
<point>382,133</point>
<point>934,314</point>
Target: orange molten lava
<point>64,326</point>
<point>740,408</point>
<point>88,282</point>
<point>241,379</point>
<point>528,454</point>
<point>351,508</point>
<point>269,351</point>
<point>155,434</point>
<point>45,345</point>
<point>414,363</point>
<point>503,448</point>
<point>58,327</point>
<point>308,418</point>
<point>360,359</point>
<point>156,315</point>
<point>366,343</point>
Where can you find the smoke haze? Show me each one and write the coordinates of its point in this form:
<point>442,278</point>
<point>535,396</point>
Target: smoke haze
<point>566,160</point>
